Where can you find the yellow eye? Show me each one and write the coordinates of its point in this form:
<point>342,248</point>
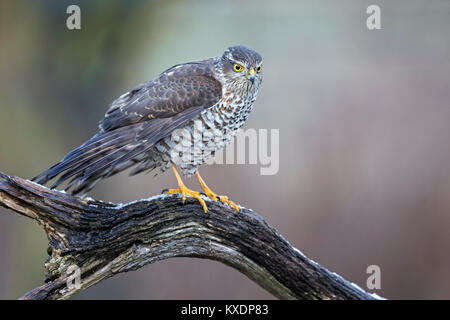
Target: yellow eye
<point>237,67</point>
<point>258,69</point>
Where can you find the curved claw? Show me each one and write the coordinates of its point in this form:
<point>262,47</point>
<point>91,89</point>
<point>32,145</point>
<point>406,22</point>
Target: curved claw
<point>229,202</point>
<point>208,192</point>
<point>214,197</point>
<point>188,192</point>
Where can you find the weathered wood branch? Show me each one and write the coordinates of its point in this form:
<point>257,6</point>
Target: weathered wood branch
<point>103,239</point>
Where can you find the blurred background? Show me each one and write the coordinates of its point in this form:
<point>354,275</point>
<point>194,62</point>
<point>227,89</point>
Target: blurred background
<point>364,119</point>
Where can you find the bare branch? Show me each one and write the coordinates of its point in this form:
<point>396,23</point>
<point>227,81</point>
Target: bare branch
<point>104,239</point>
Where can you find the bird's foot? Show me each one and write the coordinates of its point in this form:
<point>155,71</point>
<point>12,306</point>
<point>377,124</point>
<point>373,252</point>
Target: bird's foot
<point>214,197</point>
<point>188,192</point>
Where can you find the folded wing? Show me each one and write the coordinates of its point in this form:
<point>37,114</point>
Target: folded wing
<point>135,122</point>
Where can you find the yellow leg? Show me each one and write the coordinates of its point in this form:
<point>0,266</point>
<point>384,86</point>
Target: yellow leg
<point>185,191</point>
<point>210,194</point>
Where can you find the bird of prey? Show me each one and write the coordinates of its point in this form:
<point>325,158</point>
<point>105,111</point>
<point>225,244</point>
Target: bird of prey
<point>146,128</point>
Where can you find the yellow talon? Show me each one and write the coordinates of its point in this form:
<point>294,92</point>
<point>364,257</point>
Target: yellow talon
<point>230,203</point>
<point>210,194</point>
<point>185,191</point>
<point>194,194</point>
<point>188,192</point>
<point>213,196</point>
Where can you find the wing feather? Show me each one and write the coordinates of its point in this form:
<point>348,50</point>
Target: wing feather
<point>135,122</point>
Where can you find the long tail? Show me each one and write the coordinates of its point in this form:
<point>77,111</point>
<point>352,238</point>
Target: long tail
<point>103,155</point>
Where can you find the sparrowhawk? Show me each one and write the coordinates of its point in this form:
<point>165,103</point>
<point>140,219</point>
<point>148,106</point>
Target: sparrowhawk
<point>210,99</point>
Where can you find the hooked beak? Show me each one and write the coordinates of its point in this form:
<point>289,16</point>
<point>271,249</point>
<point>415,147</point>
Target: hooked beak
<point>251,75</point>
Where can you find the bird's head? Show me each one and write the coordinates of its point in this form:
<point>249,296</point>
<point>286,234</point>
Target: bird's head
<point>241,66</point>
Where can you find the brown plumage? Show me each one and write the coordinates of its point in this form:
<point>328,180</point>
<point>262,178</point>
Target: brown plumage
<point>137,128</point>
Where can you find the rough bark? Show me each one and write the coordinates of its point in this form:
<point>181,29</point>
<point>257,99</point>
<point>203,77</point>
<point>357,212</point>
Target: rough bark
<point>103,239</point>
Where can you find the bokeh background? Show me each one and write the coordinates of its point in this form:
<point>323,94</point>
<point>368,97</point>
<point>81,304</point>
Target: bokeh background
<point>364,119</point>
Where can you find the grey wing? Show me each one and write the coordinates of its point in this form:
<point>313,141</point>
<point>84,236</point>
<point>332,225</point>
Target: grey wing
<point>135,122</point>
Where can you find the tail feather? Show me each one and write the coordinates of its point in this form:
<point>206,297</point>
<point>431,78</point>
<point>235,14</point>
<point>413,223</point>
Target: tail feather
<point>88,150</point>
<point>112,151</point>
<point>96,159</point>
<point>66,162</point>
<point>84,185</point>
<point>112,160</point>
<point>128,152</point>
<point>143,166</point>
<point>78,168</point>
<point>94,147</point>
